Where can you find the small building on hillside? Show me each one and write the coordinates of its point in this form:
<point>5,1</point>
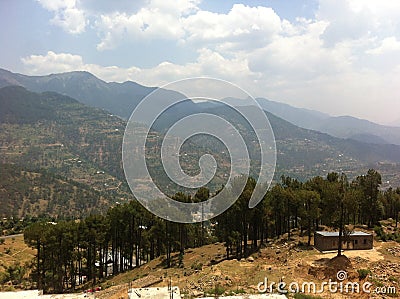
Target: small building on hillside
<point>250,296</point>
<point>357,240</point>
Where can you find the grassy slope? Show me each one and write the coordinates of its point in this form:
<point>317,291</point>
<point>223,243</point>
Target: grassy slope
<point>205,268</point>
<point>279,259</point>
<point>14,251</point>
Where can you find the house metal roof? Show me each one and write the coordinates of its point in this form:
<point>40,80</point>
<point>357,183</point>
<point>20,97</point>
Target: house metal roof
<point>336,234</point>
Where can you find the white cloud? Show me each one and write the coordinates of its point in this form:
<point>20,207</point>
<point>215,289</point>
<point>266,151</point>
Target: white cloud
<point>66,62</point>
<point>389,44</point>
<point>362,93</point>
<point>208,63</point>
<point>243,27</point>
<point>345,60</point>
<point>177,7</point>
<point>145,24</point>
<point>66,15</point>
<point>358,19</point>
<point>344,23</point>
<point>289,56</point>
<point>159,19</point>
<point>52,63</point>
<point>387,11</point>
<point>55,5</point>
<point>97,7</point>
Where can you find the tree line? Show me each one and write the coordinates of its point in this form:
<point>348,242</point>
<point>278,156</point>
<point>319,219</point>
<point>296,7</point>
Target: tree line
<point>72,252</point>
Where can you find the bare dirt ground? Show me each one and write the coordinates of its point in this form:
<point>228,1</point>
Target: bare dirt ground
<point>206,268</point>
<point>372,255</point>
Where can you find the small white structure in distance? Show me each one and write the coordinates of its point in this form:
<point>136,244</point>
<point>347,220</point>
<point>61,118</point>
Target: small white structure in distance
<point>258,296</point>
<point>36,294</point>
<point>159,293</point>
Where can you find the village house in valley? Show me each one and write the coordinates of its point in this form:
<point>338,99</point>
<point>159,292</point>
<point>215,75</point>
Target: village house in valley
<point>325,241</point>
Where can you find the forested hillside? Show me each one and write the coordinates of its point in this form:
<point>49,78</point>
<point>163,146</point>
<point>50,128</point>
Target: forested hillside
<point>74,142</point>
<point>128,235</point>
<point>65,155</point>
<point>45,194</point>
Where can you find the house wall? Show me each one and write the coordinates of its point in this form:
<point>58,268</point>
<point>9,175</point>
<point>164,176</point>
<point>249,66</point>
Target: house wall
<point>363,242</point>
<point>324,243</point>
<point>319,243</point>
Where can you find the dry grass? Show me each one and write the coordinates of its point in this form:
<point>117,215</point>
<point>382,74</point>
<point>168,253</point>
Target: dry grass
<point>279,260</point>
<point>206,267</point>
<point>13,251</point>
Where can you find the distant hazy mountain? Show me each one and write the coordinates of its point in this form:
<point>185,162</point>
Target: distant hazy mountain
<point>302,117</point>
<point>60,144</point>
<point>368,138</point>
<point>309,144</point>
<point>121,98</point>
<point>395,123</point>
<point>359,129</point>
<point>117,98</point>
<point>341,126</point>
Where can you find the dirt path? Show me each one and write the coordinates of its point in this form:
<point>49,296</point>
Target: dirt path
<point>372,255</point>
<point>11,236</point>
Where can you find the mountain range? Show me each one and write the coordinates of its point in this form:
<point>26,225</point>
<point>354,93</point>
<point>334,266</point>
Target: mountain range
<point>50,132</point>
<point>47,134</point>
<point>121,98</point>
<point>338,126</point>
<point>117,98</point>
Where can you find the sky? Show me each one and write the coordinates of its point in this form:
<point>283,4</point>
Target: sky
<point>340,57</point>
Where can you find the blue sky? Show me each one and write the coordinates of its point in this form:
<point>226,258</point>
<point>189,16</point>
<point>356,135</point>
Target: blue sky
<point>337,56</point>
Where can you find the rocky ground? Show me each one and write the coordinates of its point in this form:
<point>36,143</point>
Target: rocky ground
<point>206,271</point>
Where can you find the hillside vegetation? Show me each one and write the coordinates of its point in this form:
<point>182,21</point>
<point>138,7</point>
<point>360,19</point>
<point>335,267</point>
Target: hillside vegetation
<point>45,194</point>
<point>128,235</point>
<point>59,157</point>
<point>52,134</point>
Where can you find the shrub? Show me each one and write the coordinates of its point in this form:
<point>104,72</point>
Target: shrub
<point>393,278</point>
<point>239,291</point>
<point>197,266</point>
<point>378,230</point>
<point>363,273</point>
<point>217,290</point>
<point>4,277</point>
<point>380,233</point>
<point>15,272</point>
<point>304,296</point>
